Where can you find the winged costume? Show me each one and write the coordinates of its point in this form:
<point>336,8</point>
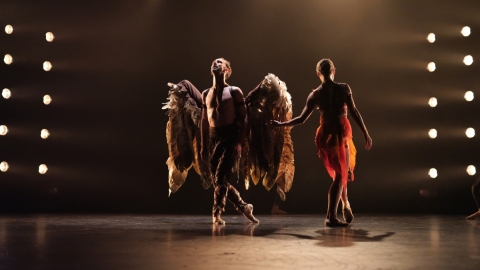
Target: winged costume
<point>267,152</point>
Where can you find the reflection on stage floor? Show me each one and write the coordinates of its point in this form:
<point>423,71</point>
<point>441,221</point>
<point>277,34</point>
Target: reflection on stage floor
<point>278,242</point>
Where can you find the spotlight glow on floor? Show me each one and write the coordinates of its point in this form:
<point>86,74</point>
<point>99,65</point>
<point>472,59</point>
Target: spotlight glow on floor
<point>8,59</point>
<point>432,133</point>
<point>466,31</point>
<point>432,102</point>
<point>469,96</point>
<point>42,169</point>
<point>3,130</point>
<point>6,93</point>
<point>44,133</point>
<point>47,99</point>
<point>431,37</point>
<point>9,29</point>
<point>433,173</point>
<point>47,66</point>
<point>431,67</point>
<point>470,132</point>
<point>4,166</point>
<point>49,36</point>
<point>471,170</point>
<point>468,60</point>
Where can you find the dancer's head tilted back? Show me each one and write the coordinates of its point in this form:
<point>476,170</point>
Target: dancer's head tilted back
<point>221,66</point>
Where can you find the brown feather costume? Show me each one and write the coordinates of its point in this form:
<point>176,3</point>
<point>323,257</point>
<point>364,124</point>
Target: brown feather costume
<point>267,152</point>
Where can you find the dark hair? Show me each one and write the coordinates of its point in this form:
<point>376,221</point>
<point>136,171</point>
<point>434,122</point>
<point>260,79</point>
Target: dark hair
<point>227,63</point>
<point>325,66</point>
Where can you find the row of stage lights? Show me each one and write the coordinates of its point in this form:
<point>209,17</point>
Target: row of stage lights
<point>432,102</point>
<point>467,60</point>
<point>6,93</point>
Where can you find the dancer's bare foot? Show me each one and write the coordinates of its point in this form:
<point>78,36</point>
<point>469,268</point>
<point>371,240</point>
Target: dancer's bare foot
<point>277,211</point>
<point>347,215</point>
<point>248,213</point>
<point>217,220</point>
<point>335,223</point>
<point>474,215</point>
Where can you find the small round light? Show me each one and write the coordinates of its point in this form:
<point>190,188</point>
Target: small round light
<point>433,173</point>
<point>49,36</point>
<point>8,59</point>
<point>4,166</point>
<point>6,93</point>
<point>42,169</point>
<point>470,132</point>
<point>432,102</point>
<point>431,67</point>
<point>44,133</point>
<point>468,60</point>
<point>3,130</point>
<point>9,29</point>
<point>431,37</point>
<point>469,96</point>
<point>47,66</point>
<point>432,133</point>
<point>465,31</point>
<point>47,99</point>
<point>471,170</point>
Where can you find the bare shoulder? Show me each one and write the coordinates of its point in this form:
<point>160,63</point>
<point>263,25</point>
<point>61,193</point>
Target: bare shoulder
<point>346,88</point>
<point>236,92</point>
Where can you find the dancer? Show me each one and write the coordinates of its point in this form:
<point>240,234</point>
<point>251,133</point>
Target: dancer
<point>476,196</point>
<point>334,136</point>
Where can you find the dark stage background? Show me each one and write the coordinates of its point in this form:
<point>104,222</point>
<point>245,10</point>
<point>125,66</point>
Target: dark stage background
<point>112,59</point>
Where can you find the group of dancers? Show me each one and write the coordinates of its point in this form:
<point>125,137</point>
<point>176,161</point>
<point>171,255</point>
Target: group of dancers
<point>224,126</point>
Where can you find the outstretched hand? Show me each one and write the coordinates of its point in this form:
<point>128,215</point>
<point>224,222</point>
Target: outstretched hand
<point>368,142</point>
<point>274,123</point>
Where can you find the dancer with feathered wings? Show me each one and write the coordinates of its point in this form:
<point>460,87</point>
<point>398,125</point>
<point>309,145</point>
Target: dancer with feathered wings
<point>217,131</point>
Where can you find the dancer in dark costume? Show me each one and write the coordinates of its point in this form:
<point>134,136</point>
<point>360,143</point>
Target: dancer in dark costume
<point>334,136</point>
<point>209,139</point>
<point>476,196</point>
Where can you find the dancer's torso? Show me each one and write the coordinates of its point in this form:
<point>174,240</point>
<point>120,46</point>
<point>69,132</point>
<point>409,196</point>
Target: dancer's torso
<point>220,107</point>
<point>331,99</point>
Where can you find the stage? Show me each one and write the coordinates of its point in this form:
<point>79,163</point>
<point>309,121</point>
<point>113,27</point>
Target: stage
<point>278,242</point>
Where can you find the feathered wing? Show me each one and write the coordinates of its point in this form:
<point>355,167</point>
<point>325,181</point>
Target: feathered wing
<point>267,154</point>
<point>183,136</point>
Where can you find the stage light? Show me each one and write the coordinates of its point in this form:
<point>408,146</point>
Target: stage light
<point>6,93</point>
<point>468,60</point>
<point>470,132</point>
<point>431,67</point>
<point>8,29</point>
<point>47,99</point>
<point>432,102</point>
<point>431,37</point>
<point>468,96</point>
<point>433,173</point>
<point>3,130</point>
<point>4,166</point>
<point>8,59</point>
<point>471,170</point>
<point>432,133</point>
<point>47,66</point>
<point>42,169</point>
<point>44,133</point>
<point>49,36</point>
<point>465,31</point>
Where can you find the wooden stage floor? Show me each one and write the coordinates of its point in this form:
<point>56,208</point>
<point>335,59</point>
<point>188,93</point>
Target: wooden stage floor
<point>278,242</point>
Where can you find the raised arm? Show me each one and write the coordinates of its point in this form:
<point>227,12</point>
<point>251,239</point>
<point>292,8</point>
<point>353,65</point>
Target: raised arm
<point>357,117</point>
<point>307,111</point>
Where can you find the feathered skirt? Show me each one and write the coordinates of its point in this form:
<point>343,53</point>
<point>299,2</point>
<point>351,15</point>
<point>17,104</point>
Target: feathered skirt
<point>332,139</point>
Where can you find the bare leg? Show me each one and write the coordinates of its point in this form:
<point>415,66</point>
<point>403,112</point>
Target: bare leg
<point>346,209</point>
<point>276,204</point>
<point>333,199</point>
<point>476,196</point>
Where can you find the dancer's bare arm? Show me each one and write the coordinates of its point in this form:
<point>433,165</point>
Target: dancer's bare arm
<point>204,129</point>
<point>240,115</point>
<point>357,117</point>
<point>307,111</point>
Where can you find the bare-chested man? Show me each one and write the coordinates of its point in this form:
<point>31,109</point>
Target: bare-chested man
<point>334,136</point>
<point>223,128</point>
